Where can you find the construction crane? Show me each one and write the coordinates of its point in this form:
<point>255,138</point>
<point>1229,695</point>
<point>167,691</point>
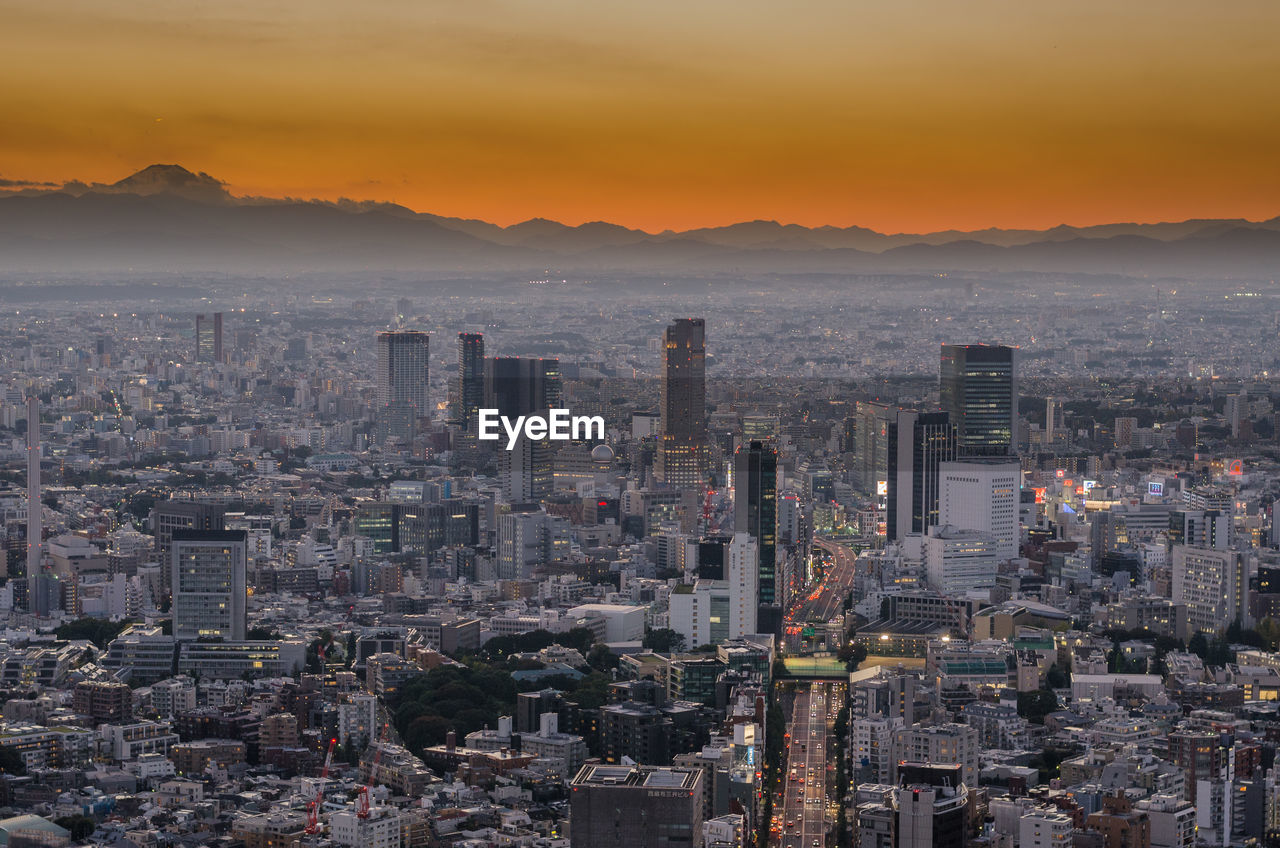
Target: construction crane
<point>362,802</point>
<point>313,810</point>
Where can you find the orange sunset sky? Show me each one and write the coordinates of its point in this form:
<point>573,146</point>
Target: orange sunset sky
<point>902,115</point>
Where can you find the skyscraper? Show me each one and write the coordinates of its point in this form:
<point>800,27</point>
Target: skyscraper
<point>979,389</point>
<point>209,337</point>
<point>517,386</point>
<point>755,510</point>
<point>636,806</point>
<point>402,382</point>
<point>983,496</point>
<point>743,571</point>
<point>208,577</point>
<point>916,445</point>
<point>681,459</point>
<point>37,601</point>
<point>470,378</point>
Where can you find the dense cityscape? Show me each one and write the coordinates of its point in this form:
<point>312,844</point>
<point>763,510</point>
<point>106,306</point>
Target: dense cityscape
<point>911,560</point>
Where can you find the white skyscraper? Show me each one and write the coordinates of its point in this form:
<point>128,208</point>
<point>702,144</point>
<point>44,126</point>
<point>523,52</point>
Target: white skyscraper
<point>1214,585</point>
<point>743,573</point>
<point>982,496</point>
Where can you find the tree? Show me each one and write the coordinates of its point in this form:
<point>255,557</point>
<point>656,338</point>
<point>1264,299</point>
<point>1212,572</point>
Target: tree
<point>81,827</point>
<point>601,658</point>
<point>664,641</point>
<point>99,631</point>
<point>1034,706</point>
<point>1057,678</point>
<point>11,761</point>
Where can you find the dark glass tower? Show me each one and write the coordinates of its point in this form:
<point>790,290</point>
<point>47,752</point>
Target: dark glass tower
<point>470,378</point>
<point>979,389</point>
<point>755,480</point>
<point>209,338</point>
<point>918,442</point>
<point>518,386</point>
<point>682,444</point>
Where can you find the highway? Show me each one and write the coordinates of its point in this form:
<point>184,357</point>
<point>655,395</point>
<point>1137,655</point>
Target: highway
<point>804,796</point>
<point>825,600</point>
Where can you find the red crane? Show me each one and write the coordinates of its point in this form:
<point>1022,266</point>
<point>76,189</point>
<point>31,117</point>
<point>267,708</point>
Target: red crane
<point>362,802</point>
<point>313,810</point>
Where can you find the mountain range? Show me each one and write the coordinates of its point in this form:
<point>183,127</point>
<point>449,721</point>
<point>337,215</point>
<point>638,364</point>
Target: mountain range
<point>166,218</point>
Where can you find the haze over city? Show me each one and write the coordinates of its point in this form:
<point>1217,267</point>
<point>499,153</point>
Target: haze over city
<point>562,425</point>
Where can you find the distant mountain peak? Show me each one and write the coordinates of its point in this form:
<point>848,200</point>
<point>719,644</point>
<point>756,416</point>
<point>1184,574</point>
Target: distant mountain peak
<point>170,179</point>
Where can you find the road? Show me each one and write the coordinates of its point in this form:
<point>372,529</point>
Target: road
<point>804,796</point>
<point>825,600</point>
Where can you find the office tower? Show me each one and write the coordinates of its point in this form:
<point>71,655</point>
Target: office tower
<point>471,369</point>
<point>208,578</point>
<point>755,510</point>
<point>518,386</point>
<point>35,516</point>
<point>1213,584</point>
<point>527,471</point>
<point>931,806</point>
<point>170,516</point>
<point>529,541</point>
<point>979,389</point>
<point>916,445</point>
<point>1052,411</point>
<point>681,459</point>
<point>209,337</point>
<point>983,496</point>
<point>1123,430</point>
<point>959,560</point>
<point>871,461</point>
<point>744,574</point>
<point>636,807</point>
<point>1236,411</point>
<point>402,382</point>
<point>700,611</point>
<point>1200,528</point>
<point>943,743</point>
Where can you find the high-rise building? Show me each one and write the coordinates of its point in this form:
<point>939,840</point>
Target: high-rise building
<point>983,496</point>
<point>35,516</point>
<point>744,574</point>
<point>517,386</point>
<point>529,540</point>
<point>958,560</point>
<point>917,443</point>
<point>470,378</point>
<point>207,572</point>
<point>755,481</point>
<point>209,337</point>
<point>931,806</point>
<point>979,389</point>
<point>636,807</point>
<point>1052,418</point>
<point>402,382</point>
<point>527,470</point>
<point>1123,432</point>
<point>682,444</point>
<point>1213,584</point>
<point>170,516</point>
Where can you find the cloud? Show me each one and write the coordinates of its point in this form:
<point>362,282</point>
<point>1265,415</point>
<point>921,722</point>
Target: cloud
<point>8,183</point>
